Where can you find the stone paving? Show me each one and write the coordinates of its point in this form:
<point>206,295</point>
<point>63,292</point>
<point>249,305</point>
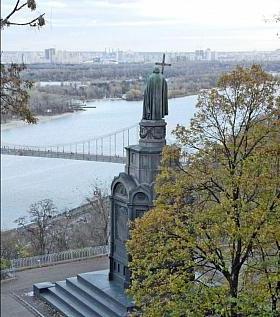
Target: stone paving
<point>25,279</point>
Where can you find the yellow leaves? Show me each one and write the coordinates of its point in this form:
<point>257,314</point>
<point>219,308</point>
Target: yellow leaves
<point>218,213</point>
<point>14,93</point>
<point>253,77</point>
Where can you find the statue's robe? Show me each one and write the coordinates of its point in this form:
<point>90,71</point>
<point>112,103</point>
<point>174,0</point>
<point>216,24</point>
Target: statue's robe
<point>155,105</point>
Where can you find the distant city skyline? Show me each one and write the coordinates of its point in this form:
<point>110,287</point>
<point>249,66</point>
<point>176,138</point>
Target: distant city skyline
<point>147,25</point>
<point>116,49</point>
<point>113,56</point>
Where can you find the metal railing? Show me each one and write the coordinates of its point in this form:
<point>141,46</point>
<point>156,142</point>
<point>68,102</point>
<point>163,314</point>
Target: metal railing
<point>106,148</point>
<point>37,261</point>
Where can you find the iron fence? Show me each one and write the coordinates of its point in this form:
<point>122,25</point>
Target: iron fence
<point>68,255</point>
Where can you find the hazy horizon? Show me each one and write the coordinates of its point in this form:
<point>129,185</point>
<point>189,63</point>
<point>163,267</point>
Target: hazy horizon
<point>146,26</point>
<point>166,51</point>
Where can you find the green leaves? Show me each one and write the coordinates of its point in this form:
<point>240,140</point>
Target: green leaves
<point>15,93</point>
<point>211,244</point>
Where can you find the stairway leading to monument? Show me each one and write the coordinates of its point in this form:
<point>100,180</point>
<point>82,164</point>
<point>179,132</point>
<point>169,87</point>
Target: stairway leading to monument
<point>86,295</point>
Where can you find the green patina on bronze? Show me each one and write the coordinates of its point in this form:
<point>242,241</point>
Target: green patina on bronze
<point>155,105</point>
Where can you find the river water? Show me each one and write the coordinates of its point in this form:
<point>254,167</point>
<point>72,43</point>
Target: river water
<point>25,180</point>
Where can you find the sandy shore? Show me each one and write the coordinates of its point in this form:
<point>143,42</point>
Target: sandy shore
<point>18,123</point>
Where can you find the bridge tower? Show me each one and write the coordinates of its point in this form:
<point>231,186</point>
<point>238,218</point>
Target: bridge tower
<point>132,193</point>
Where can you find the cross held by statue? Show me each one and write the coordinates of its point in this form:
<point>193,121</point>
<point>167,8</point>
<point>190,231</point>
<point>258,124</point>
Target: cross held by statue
<point>163,64</point>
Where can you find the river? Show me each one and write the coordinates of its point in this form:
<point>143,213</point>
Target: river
<point>25,180</point>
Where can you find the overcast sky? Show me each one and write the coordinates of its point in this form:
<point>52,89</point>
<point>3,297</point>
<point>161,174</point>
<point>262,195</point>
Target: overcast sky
<point>147,25</point>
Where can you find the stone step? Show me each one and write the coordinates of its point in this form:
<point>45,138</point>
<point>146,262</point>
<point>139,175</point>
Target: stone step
<point>110,291</point>
<point>91,294</point>
<point>92,303</point>
<point>74,305</point>
<point>59,305</point>
<point>87,295</point>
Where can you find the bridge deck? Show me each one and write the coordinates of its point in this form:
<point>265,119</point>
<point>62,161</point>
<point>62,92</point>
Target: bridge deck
<point>64,155</point>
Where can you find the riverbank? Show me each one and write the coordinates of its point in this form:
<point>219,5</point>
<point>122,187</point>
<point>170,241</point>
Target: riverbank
<point>26,180</point>
<point>19,123</point>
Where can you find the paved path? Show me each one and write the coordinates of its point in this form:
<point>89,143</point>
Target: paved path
<point>24,280</point>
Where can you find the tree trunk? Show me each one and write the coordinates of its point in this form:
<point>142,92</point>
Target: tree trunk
<point>274,306</point>
<point>233,295</point>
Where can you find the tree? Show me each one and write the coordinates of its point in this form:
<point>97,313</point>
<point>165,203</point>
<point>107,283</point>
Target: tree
<point>4,264</point>
<point>31,4</point>
<point>15,93</point>
<point>11,246</point>
<point>210,246</point>
<point>14,90</point>
<point>61,232</point>
<point>99,216</point>
<point>134,94</point>
<point>39,225</point>
<point>91,225</point>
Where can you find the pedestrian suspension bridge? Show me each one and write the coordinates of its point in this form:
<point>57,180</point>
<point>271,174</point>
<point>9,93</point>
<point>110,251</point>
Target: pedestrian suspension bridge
<point>104,148</point>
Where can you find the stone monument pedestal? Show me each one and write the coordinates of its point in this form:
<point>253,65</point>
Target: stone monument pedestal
<point>133,193</point>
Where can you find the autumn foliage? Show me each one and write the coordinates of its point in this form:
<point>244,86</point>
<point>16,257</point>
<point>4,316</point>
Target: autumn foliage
<point>211,245</point>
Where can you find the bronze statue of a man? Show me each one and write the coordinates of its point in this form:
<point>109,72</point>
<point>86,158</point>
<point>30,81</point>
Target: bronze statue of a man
<point>155,105</point>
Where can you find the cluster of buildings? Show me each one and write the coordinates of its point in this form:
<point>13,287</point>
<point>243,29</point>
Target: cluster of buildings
<point>209,55</point>
<point>116,56</point>
<point>197,55</point>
